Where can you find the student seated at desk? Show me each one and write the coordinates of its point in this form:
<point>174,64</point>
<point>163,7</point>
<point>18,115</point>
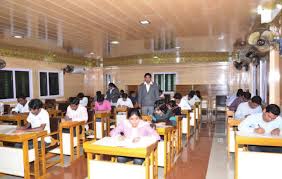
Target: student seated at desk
<point>102,105</point>
<point>76,112</point>
<point>193,98</point>
<point>38,120</point>
<point>134,128</point>
<point>269,123</point>
<point>241,97</point>
<point>163,114</point>
<point>22,105</point>
<point>124,101</point>
<point>176,110</point>
<point>247,108</point>
<point>182,102</point>
<point>83,100</point>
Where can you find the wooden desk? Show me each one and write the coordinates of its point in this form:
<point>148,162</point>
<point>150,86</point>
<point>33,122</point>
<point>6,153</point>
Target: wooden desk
<point>231,123</point>
<point>179,133</point>
<point>187,114</point>
<point>105,118</point>
<point>71,125</point>
<point>15,118</point>
<point>24,138</point>
<point>167,132</point>
<point>254,140</point>
<point>149,153</point>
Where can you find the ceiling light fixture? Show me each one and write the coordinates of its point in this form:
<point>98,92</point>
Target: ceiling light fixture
<point>18,36</point>
<point>114,42</point>
<point>144,22</point>
<point>178,47</point>
<point>155,57</point>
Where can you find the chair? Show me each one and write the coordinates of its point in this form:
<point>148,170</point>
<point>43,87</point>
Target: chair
<point>147,118</point>
<point>220,104</point>
<point>50,103</point>
<point>118,117</point>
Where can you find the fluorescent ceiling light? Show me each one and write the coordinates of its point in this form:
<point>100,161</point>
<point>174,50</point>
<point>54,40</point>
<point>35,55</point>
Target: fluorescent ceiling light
<point>177,47</point>
<point>155,57</point>
<point>18,36</point>
<point>144,22</point>
<point>114,42</point>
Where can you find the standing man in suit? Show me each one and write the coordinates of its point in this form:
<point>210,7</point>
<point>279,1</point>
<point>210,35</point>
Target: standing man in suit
<point>148,94</point>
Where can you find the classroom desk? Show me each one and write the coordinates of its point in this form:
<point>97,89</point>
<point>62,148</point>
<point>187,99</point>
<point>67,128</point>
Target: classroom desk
<point>15,118</point>
<point>255,139</point>
<point>24,138</point>
<point>231,126</point>
<point>71,125</point>
<point>149,153</point>
<point>179,134</point>
<point>188,117</point>
<point>167,132</point>
<point>105,118</point>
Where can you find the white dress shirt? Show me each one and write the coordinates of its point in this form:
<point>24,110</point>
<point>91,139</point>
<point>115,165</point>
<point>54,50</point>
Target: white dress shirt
<point>80,114</point>
<point>37,120</point>
<point>148,86</point>
<point>20,108</point>
<point>256,120</point>
<point>244,109</point>
<point>184,103</point>
<point>84,101</point>
<point>127,103</point>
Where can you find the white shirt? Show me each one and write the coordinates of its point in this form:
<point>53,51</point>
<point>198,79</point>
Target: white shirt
<point>80,114</point>
<point>244,109</point>
<point>84,101</point>
<point>256,120</point>
<point>148,86</point>
<point>37,120</point>
<point>20,108</point>
<point>184,104</point>
<point>193,100</point>
<point>230,100</point>
<point>128,102</point>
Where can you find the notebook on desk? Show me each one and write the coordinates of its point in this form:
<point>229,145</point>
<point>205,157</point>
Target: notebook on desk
<point>7,129</point>
<point>126,143</point>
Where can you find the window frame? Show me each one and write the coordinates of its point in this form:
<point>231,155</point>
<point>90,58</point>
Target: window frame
<point>166,73</point>
<point>61,84</point>
<point>14,83</point>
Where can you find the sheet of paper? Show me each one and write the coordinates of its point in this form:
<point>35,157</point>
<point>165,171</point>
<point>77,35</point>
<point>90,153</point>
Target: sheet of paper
<point>7,129</point>
<point>126,143</point>
<point>239,133</point>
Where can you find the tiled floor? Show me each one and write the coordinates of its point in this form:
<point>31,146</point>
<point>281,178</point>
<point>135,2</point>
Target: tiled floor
<point>204,157</point>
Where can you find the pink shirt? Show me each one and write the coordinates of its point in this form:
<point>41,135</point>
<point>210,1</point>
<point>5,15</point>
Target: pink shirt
<point>143,130</point>
<point>106,106</point>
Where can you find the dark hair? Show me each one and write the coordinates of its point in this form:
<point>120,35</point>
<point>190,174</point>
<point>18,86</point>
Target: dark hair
<point>160,91</point>
<point>247,95</point>
<point>257,100</point>
<point>191,93</point>
<point>158,103</point>
<point>122,91</point>
<point>124,95</point>
<point>273,108</point>
<point>148,74</point>
<point>133,111</point>
<point>239,93</point>
<point>100,98</point>
<point>35,104</point>
<point>74,100</point>
<point>177,96</point>
<point>80,95</point>
<point>198,93</point>
<point>163,108</point>
<point>21,96</point>
<point>112,85</point>
<point>98,93</point>
<point>172,103</point>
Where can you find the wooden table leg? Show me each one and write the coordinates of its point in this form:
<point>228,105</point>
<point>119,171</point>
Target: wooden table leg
<point>165,155</point>
<point>102,127</point>
<point>71,145</point>
<point>36,160</point>
<point>147,163</point>
<point>78,141</point>
<point>43,157</point>
<point>26,160</point>
<point>89,157</point>
<point>61,147</point>
<point>156,162</point>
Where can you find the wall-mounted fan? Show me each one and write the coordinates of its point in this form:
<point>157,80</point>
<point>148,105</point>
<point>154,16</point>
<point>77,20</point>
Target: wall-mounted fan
<point>68,69</point>
<point>262,41</point>
<point>2,64</point>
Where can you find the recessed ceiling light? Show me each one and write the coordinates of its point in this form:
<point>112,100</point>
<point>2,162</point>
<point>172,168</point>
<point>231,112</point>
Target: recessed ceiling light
<point>155,57</point>
<point>114,42</point>
<point>178,47</point>
<point>92,53</point>
<point>18,36</point>
<point>144,22</point>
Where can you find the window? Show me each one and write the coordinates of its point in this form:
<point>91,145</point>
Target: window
<point>166,81</point>
<point>51,84</point>
<point>14,83</point>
